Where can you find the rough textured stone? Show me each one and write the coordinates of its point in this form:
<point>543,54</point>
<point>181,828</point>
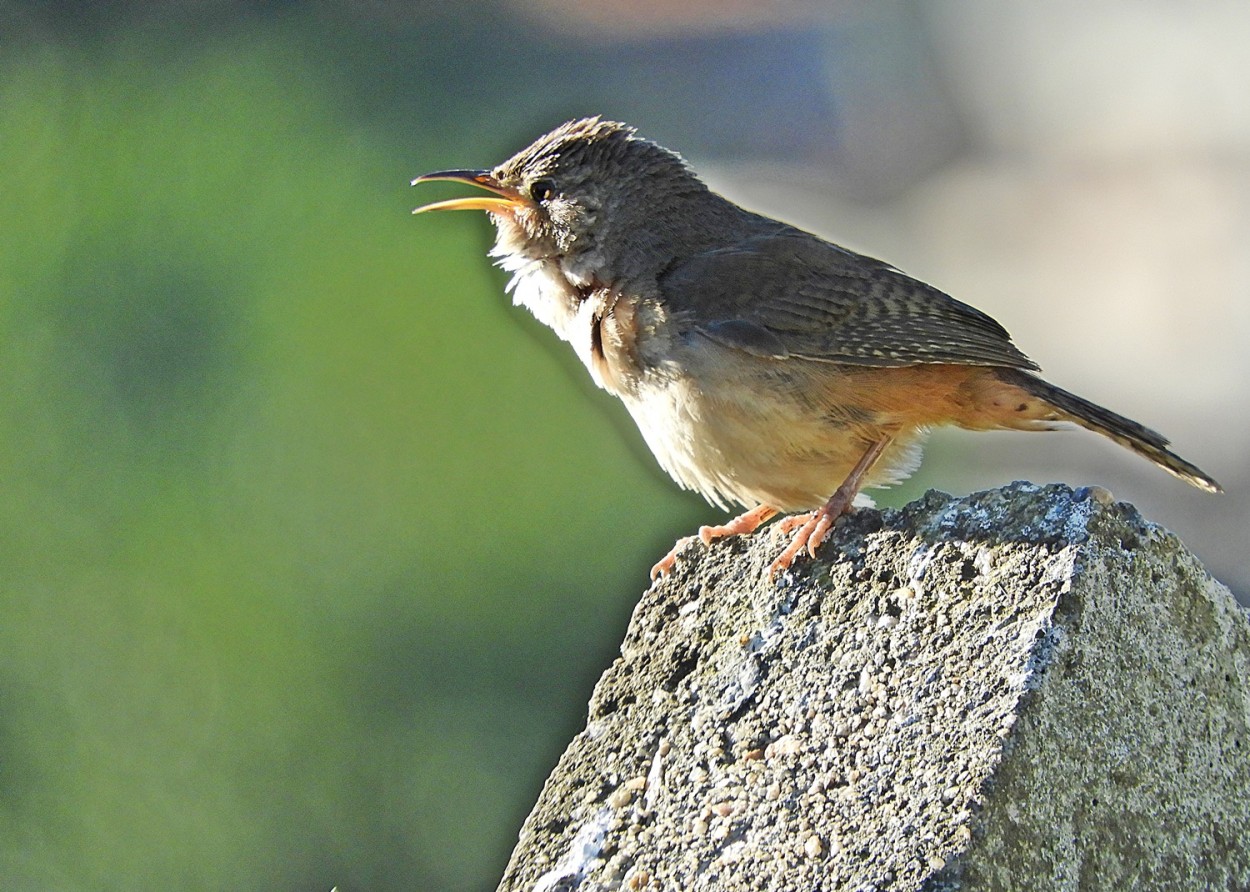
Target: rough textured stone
<point>1029,688</point>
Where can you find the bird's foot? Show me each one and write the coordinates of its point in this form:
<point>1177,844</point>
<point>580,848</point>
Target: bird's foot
<point>815,525</point>
<point>739,526</point>
<point>805,524</point>
<point>810,529</point>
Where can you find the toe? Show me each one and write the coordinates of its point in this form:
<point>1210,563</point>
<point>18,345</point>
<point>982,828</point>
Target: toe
<point>666,564</point>
<point>797,543</point>
<point>824,523</point>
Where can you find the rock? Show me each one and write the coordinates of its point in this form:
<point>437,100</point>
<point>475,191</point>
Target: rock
<point>1028,688</point>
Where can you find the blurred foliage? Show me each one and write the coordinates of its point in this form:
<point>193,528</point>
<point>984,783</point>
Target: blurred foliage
<point>310,553</point>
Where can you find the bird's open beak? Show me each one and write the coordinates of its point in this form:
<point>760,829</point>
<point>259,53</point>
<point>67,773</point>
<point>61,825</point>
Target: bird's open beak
<point>504,199</point>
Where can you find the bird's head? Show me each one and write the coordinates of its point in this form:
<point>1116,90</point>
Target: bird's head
<point>590,195</point>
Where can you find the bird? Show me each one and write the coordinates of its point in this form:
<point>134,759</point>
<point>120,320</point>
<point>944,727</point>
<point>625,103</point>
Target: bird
<point>765,367</point>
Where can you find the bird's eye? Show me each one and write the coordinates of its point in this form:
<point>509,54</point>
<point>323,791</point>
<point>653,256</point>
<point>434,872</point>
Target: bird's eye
<point>541,190</point>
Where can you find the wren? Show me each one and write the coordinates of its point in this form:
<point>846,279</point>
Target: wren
<point>764,366</point>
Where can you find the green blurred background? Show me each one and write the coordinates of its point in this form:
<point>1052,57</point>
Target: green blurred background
<point>312,547</point>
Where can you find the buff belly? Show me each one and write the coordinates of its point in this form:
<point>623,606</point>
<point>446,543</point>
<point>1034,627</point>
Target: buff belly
<point>735,441</point>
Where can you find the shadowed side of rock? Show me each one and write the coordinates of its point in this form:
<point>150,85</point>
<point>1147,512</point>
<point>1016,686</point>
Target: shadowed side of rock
<point>1026,688</point>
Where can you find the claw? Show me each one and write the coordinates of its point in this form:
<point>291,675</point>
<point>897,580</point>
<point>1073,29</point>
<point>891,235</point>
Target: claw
<point>665,565</point>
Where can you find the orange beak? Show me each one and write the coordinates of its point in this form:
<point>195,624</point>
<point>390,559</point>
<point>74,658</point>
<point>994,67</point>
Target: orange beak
<point>504,199</point>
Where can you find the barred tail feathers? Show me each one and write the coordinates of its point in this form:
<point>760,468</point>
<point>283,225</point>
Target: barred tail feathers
<point>1091,416</point>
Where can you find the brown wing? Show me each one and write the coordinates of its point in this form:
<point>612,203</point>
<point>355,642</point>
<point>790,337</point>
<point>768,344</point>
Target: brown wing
<point>786,293</point>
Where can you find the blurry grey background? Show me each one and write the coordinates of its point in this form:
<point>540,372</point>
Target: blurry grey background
<point>312,546</point>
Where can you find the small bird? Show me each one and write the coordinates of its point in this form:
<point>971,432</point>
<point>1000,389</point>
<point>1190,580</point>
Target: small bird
<point>763,365</point>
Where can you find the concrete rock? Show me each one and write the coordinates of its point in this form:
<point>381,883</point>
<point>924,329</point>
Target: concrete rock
<point>1029,688</point>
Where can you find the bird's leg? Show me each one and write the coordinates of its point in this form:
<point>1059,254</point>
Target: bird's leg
<point>740,525</point>
<point>815,525</point>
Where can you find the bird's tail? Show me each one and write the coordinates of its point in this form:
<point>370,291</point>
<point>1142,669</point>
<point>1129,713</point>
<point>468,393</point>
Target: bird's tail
<point>1124,431</point>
